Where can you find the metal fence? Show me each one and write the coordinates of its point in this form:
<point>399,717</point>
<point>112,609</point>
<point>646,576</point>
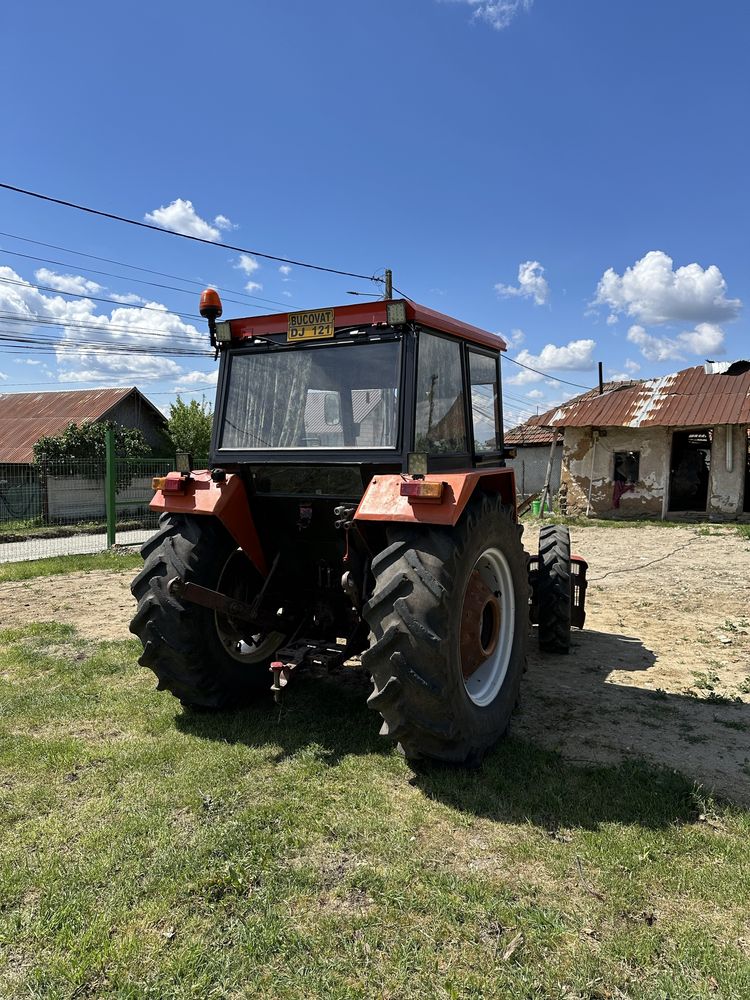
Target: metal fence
<point>61,508</point>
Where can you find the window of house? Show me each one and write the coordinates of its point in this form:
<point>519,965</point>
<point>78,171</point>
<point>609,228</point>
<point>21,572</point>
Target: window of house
<point>440,420</point>
<point>627,466</point>
<point>483,377</point>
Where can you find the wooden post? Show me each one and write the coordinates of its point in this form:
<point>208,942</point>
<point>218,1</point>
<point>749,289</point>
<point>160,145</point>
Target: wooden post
<point>548,476</point>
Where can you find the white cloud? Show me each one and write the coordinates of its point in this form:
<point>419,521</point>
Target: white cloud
<point>3,376</point>
<point>197,379</point>
<point>126,330</point>
<point>285,270</point>
<point>535,394</point>
<point>705,339</point>
<point>497,13</point>
<point>287,295</point>
<point>180,217</point>
<point>653,292</point>
<point>632,366</point>
<point>247,263</point>
<point>129,299</point>
<point>513,339</point>
<point>253,286</point>
<point>531,283</point>
<point>576,355</point>
<point>67,282</point>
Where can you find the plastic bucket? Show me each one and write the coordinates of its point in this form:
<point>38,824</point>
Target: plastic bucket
<point>536,507</point>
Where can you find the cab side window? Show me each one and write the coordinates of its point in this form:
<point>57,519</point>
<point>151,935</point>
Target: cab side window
<point>484,396</point>
<point>440,422</point>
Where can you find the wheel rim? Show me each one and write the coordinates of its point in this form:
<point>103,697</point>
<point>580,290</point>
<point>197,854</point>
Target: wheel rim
<point>487,626</point>
<point>236,580</point>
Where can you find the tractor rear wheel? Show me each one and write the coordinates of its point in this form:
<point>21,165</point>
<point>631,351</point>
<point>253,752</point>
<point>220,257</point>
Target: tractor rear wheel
<point>449,624</point>
<point>553,594</point>
<point>205,659</point>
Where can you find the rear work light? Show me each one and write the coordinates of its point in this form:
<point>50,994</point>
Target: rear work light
<point>173,482</point>
<point>420,491</point>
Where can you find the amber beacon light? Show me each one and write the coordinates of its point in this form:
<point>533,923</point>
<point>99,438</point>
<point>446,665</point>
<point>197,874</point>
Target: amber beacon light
<point>210,309</point>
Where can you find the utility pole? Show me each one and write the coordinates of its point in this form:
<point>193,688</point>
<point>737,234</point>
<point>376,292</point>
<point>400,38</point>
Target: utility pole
<point>388,283</point>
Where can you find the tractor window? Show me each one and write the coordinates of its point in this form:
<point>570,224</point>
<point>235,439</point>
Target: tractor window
<point>440,421</point>
<point>483,374</point>
<point>314,397</point>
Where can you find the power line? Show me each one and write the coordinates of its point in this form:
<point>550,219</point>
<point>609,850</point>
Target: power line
<point>95,298</point>
<point>184,236</point>
<point>520,364</point>
<point>253,299</point>
<point>72,324</point>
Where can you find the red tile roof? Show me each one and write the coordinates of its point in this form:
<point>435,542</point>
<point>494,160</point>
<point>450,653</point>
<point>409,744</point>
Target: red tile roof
<point>688,398</point>
<point>27,416</point>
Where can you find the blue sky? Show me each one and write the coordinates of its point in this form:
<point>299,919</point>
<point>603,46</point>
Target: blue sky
<point>570,173</point>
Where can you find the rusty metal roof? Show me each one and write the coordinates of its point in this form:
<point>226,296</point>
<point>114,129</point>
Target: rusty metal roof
<point>528,435</point>
<point>688,398</point>
<point>27,416</point>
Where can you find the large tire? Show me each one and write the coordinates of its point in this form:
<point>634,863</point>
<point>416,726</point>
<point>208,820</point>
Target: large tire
<point>186,645</point>
<point>426,615</point>
<point>553,589</point>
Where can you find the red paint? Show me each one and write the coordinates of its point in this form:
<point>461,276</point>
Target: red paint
<point>370,314</point>
<point>383,500</point>
<point>227,501</point>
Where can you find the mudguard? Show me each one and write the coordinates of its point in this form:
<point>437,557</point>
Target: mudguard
<point>226,501</point>
<point>383,501</point>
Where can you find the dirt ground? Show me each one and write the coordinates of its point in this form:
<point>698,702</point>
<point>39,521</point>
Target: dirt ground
<point>661,671</point>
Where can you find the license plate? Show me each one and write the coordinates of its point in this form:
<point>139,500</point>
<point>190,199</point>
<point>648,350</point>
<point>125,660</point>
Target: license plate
<point>316,324</point>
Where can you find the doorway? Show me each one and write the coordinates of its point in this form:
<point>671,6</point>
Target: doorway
<point>689,470</point>
<point>746,502</point>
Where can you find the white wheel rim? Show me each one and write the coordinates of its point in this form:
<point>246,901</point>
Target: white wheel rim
<point>496,637</point>
<point>260,646</point>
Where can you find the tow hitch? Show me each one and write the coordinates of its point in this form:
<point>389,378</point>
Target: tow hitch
<point>304,652</point>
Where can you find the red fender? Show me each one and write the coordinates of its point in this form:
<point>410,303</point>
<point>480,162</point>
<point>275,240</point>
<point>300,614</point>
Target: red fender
<point>383,501</point>
<point>225,500</point>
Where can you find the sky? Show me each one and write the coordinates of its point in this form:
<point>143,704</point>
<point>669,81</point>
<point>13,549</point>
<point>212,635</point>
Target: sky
<point>570,174</point>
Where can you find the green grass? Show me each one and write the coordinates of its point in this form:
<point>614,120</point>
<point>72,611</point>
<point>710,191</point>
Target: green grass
<point>55,565</point>
<point>286,853</point>
<point>743,530</point>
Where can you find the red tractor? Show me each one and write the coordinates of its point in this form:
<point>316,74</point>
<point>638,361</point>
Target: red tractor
<point>357,502</point>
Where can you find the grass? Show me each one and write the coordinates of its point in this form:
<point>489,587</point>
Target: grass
<point>19,531</point>
<point>290,853</point>
<point>54,565</point>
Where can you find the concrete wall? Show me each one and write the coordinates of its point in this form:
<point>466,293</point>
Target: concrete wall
<point>586,465</point>
<point>530,466</point>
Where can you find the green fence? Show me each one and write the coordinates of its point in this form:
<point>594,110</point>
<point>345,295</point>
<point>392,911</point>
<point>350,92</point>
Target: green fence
<point>69,507</point>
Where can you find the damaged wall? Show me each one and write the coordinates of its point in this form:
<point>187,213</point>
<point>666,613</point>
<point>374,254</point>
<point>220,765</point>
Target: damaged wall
<point>728,458</point>
<point>644,499</point>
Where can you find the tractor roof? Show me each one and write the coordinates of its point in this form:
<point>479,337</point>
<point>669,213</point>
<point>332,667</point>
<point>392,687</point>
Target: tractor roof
<point>371,314</point>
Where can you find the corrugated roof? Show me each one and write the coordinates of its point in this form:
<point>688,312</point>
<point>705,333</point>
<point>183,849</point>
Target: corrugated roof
<point>688,398</point>
<point>527,434</point>
<point>27,416</point>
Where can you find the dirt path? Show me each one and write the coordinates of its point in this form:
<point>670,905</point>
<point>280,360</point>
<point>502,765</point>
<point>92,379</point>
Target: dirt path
<point>661,671</point>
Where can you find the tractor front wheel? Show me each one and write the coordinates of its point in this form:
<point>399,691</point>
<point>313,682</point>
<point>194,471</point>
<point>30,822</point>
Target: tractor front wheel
<point>205,659</point>
<point>449,625</point>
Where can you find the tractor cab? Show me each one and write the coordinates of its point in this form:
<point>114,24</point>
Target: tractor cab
<point>391,386</point>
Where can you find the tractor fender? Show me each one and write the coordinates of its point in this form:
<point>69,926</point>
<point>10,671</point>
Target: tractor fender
<point>227,501</point>
<point>383,501</point>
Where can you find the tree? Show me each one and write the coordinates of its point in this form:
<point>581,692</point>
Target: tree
<point>85,442</point>
<point>189,426</point>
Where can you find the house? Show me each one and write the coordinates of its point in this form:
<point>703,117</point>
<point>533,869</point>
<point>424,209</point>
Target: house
<point>532,444</point>
<point>27,416</point>
<point>671,447</point>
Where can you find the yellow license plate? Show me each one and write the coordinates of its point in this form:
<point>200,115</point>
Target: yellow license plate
<point>316,324</point>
